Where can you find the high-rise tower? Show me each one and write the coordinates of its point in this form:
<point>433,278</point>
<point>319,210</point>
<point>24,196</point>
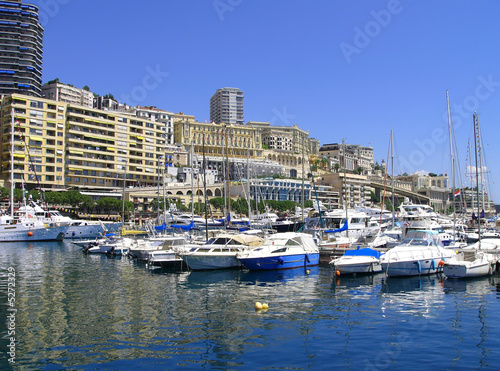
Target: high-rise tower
<point>226,106</point>
<point>21,50</point>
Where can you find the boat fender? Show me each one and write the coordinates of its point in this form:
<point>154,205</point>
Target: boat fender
<point>281,260</point>
<point>307,258</point>
<point>419,266</point>
<point>30,234</point>
<point>441,263</point>
<point>433,265</point>
<point>73,234</point>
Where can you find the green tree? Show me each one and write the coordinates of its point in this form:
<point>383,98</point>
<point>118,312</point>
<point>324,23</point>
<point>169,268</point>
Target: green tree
<point>109,204</point>
<point>4,193</point>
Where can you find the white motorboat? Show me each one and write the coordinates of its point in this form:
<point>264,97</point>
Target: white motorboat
<point>112,246</point>
<point>420,253</point>
<point>471,263</point>
<point>143,247</point>
<point>220,252</point>
<point>361,261</point>
<point>282,251</point>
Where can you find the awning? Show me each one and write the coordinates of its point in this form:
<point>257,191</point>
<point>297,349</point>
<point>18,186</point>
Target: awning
<point>71,152</point>
<point>34,137</point>
<point>19,155</point>
<point>141,138</point>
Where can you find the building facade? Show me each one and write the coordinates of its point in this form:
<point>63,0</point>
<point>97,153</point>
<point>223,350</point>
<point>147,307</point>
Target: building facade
<point>226,107</point>
<point>21,56</point>
<point>59,145</point>
<point>55,90</point>
<point>349,156</point>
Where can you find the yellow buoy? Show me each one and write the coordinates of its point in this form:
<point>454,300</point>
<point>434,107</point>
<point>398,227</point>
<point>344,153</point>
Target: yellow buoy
<point>308,271</point>
<point>265,306</point>
<point>258,305</point>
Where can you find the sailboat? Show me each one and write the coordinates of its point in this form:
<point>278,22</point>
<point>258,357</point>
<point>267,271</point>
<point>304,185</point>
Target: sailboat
<point>473,262</point>
<point>23,228</point>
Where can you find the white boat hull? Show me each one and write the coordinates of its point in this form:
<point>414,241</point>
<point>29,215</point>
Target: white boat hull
<point>212,261</point>
<point>483,264</point>
<point>358,264</point>
<point>412,267</point>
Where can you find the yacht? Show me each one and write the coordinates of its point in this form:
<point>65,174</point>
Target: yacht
<point>420,253</point>
<point>77,229</point>
<point>29,229</point>
<point>282,251</point>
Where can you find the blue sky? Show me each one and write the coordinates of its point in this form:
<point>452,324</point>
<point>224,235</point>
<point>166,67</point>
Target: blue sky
<point>339,69</point>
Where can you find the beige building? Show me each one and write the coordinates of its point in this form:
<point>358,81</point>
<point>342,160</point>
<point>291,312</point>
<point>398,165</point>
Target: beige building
<point>61,145</point>
<point>349,156</point>
<point>354,190</point>
<point>57,91</point>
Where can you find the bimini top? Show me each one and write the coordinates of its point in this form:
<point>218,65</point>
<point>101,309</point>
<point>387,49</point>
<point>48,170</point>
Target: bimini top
<point>236,239</point>
<point>422,238</point>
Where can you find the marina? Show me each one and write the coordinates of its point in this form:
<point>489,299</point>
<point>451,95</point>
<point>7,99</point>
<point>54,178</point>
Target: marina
<point>78,311</point>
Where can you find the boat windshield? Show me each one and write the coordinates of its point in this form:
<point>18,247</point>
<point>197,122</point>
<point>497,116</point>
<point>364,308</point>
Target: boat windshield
<point>422,238</point>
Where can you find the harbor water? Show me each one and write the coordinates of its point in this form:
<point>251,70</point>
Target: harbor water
<point>84,312</point>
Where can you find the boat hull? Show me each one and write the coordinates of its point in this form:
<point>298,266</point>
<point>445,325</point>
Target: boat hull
<point>365,266</point>
<point>84,232</point>
<point>281,262</point>
<point>165,259</point>
<point>212,261</point>
<point>464,270</point>
<point>419,267</point>
<point>20,233</point>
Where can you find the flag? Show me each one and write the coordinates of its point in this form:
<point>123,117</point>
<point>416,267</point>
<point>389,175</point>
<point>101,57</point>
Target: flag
<point>457,193</point>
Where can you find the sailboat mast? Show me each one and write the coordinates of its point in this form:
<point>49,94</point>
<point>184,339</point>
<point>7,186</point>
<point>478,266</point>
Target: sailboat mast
<point>345,186</point>
<point>452,163</point>
<point>476,143</point>
<point>392,179</point>
<point>205,189</point>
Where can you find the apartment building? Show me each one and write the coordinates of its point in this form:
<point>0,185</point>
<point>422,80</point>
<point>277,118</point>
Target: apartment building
<point>55,90</point>
<point>349,156</point>
<point>60,145</point>
<point>353,190</point>
<point>226,106</point>
<point>21,53</point>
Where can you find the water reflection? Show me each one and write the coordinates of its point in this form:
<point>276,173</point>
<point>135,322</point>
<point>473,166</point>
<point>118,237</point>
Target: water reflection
<point>77,310</point>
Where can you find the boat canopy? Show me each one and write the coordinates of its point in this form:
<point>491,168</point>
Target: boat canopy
<point>345,227</point>
<point>363,252</point>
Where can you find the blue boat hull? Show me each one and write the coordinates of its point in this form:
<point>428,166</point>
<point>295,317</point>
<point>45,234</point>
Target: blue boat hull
<point>281,262</point>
